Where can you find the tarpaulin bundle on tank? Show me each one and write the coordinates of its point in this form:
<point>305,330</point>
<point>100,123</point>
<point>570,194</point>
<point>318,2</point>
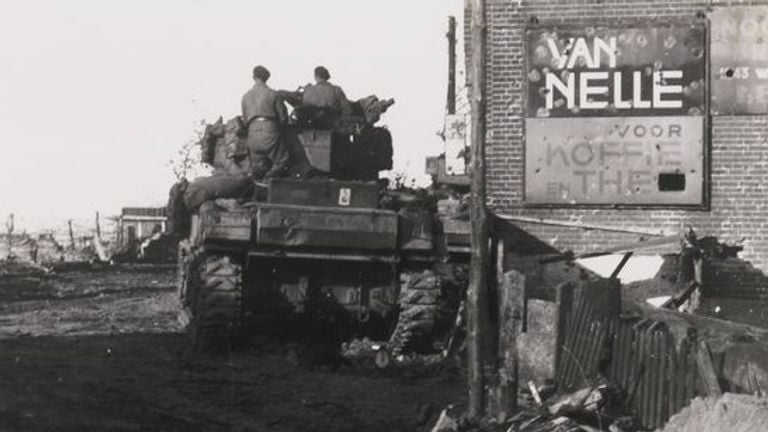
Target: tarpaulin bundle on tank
<point>211,135</point>
<point>216,186</point>
<point>176,210</point>
<point>185,197</point>
<point>223,147</point>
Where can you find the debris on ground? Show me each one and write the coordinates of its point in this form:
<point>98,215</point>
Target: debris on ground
<point>588,398</point>
<point>446,422</point>
<point>16,268</point>
<point>632,368</point>
<point>367,351</point>
<point>731,412</point>
<point>593,408</point>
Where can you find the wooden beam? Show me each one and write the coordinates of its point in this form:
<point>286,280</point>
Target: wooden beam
<point>580,225</point>
<point>565,306</point>
<point>681,297</point>
<point>633,247</point>
<point>478,274</point>
<point>707,370</point>
<point>621,265</point>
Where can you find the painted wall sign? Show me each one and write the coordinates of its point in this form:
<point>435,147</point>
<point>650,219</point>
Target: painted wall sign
<point>739,60</point>
<point>614,160</point>
<point>616,115</point>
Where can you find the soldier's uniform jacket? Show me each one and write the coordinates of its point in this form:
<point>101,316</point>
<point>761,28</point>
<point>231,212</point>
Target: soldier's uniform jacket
<point>262,101</point>
<point>328,96</point>
<point>264,112</point>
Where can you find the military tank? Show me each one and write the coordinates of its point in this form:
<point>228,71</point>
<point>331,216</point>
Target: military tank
<point>330,243</point>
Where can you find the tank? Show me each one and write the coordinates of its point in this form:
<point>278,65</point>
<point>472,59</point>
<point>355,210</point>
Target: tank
<point>331,248</point>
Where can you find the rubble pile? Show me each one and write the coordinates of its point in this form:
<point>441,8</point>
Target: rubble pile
<point>654,364</point>
<point>593,408</point>
<point>731,412</point>
<point>379,353</point>
<point>588,409</point>
<point>17,268</point>
<point>41,249</point>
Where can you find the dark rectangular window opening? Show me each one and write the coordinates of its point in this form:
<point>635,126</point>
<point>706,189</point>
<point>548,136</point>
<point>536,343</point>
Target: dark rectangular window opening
<point>671,182</point>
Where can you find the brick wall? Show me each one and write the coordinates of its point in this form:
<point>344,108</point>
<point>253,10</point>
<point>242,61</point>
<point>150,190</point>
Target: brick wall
<point>738,145</point>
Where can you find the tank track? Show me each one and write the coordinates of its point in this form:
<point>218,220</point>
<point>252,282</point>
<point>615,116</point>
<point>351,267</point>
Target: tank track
<point>419,305</point>
<point>215,300</point>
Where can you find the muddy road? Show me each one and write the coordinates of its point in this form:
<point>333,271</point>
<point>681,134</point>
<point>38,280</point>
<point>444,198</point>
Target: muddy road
<point>101,350</point>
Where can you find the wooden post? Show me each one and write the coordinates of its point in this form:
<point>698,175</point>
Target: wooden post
<point>451,102</point>
<point>10,226</point>
<point>565,295</point>
<point>119,234</point>
<point>511,314</point>
<point>71,235</point>
<point>478,273</point>
<point>707,370</point>
<point>98,226</point>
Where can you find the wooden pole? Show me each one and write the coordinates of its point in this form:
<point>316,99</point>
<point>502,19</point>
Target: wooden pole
<point>71,235</point>
<point>478,273</point>
<point>98,226</point>
<point>10,226</point>
<point>451,102</point>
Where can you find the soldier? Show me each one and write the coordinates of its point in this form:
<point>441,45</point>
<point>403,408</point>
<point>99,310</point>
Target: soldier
<point>264,113</point>
<point>326,96</point>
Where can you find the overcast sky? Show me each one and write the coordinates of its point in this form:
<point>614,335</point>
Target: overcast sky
<point>97,95</point>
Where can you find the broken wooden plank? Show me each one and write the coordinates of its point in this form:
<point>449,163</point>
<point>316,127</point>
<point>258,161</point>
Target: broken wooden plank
<point>662,390</point>
<point>706,370</point>
<point>564,223</point>
<point>565,308</point>
<point>681,297</point>
<point>672,372</point>
<point>620,266</point>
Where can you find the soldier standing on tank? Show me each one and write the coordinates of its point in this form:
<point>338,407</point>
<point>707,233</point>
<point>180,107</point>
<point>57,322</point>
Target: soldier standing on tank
<point>326,96</point>
<point>264,113</point>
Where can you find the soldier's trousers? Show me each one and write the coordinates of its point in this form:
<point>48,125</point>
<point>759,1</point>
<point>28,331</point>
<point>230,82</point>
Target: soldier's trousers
<point>268,155</point>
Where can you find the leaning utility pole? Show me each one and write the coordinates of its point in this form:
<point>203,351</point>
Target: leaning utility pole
<point>478,272</point>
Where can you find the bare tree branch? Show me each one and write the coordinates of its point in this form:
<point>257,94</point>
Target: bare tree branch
<point>187,162</point>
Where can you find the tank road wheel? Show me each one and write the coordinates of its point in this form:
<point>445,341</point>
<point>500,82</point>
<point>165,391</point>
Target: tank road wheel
<point>216,306</point>
<point>419,308</point>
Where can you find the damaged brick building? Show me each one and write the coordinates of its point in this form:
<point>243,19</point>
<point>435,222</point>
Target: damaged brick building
<point>629,115</point>
<point>610,122</point>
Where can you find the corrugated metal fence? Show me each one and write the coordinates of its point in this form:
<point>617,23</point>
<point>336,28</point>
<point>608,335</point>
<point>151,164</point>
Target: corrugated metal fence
<point>640,356</point>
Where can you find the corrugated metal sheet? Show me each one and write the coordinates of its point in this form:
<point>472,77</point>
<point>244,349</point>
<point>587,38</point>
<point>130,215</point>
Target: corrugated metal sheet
<point>639,356</point>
